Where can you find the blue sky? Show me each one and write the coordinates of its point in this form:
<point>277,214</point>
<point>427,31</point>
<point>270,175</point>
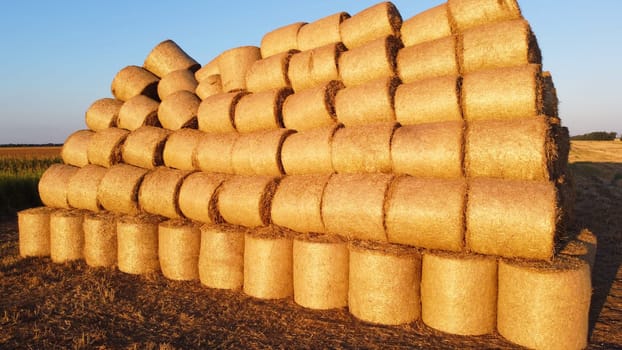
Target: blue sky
<point>58,57</point>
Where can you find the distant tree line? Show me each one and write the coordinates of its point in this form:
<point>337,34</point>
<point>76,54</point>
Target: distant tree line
<point>31,145</point>
<point>597,136</point>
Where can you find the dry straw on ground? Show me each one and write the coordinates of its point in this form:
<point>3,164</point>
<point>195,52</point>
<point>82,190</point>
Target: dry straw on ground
<point>34,231</point>
<point>138,111</point>
<point>180,147</point>
<point>214,152</point>
<point>209,86</point>
<point>261,111</point>
<point>427,101</point>
<point>66,235</point>
<point>118,190</point>
<point>309,151</point>
<point>105,147</point>
<point>221,258</point>
<point>82,188</point>
<point>259,153</point>
<point>367,103</point>
<point>216,113</point>
<point>315,67</point>
<point>363,148</point>
<point>159,192</point>
<point>281,40</point>
<point>469,13</point>
<point>431,59</point>
<point>100,239</point>
<point>74,151</point>
<point>425,26</point>
<point>179,243</point>
<point>246,200</point>
<point>371,23</point>
<point>583,246</point>
<point>269,73</point>
<point>103,114</point>
<point>233,65</point>
<point>179,110</point>
<point>181,79</point>
<point>167,57</point>
<point>54,184</point>
<point>132,81</point>
<point>198,197</point>
<point>321,32</point>
<point>373,60</point>
<point>143,147</point>
<point>137,243</point>
<point>311,108</point>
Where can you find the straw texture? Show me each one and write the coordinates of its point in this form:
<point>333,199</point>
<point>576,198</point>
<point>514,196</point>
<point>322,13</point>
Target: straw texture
<point>246,200</point>
<point>216,113</point>
<point>54,184</point>
<point>311,108</point>
<point>180,147</point>
<point>472,13</point>
<point>138,111</point>
<point>103,114</point>
<point>269,73</point>
<point>309,151</point>
<point>66,235</point>
<point>233,65</point>
<point>214,152</point>
<point>207,70</point>
<point>34,231</point>
<point>82,187</point>
<point>281,40</point>
<point>371,23</point>
<point>582,247</point>
<point>261,111</point>
<point>259,153</point>
<point>368,103</point>
<point>198,197</point>
<point>74,151</point>
<point>179,243</point>
<point>100,239</point>
<point>137,243</point>
<point>179,110</point>
<point>374,60</point>
<point>315,67</point>
<point>167,57</point>
<point>221,257</point>
<point>209,86</point>
<point>321,32</point>
<point>143,147</point>
<point>118,190</point>
<point>428,101</point>
<point>431,59</point>
<point>425,26</point>
<point>159,192</point>
<point>363,148</point>
<point>105,147</point>
<point>181,79</point>
<point>132,81</point>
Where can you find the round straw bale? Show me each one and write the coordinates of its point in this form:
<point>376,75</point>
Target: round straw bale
<point>281,40</point>
<point>371,102</point>
<point>198,197</point>
<point>268,264</point>
<point>100,239</point>
<point>321,32</point>
<point>428,25</point>
<point>297,203</point>
<point>233,65</point>
<point>299,71</point>
<point>138,111</point>
<point>216,113</point>
<point>167,57</point>
<point>321,265</point>
<point>133,80</point>
<point>353,205</point>
<point>105,147</point>
<point>363,148</point>
<point>179,110</point>
<point>181,79</point>
<point>103,114</point>
<point>180,147</point>
<point>549,96</point>
<point>159,192</point>
<point>74,151</point>
<point>261,111</point>
<point>214,152</point>
<point>311,108</point>
<point>459,293</point>
<point>428,150</point>
<point>246,200</point>
<point>427,101</point>
<point>315,67</point>
<point>54,185</point>
<point>502,93</point>
<point>179,243</point>
<point>431,59</point>
<point>66,235</point>
<point>374,60</point>
<point>208,69</point>
<point>583,246</point>
<point>143,147</point>
<point>427,213</point>
<point>497,45</point>
<point>472,13</point>
<point>511,218</point>
<point>512,149</point>
<point>309,151</point>
<point>34,231</point>
<point>137,243</point>
<point>371,23</point>
<point>259,153</point>
<point>82,187</point>
<point>118,190</point>
<point>209,86</point>
<point>545,306</point>
<point>384,283</point>
<point>221,257</point>
<point>269,73</point>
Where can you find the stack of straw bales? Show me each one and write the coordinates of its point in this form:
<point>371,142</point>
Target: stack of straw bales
<point>406,169</point>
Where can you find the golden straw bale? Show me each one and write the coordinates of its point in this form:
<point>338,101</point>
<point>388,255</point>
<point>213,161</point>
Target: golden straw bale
<point>374,60</point>
<point>167,57</point>
<point>353,205</point>
<point>459,293</point>
<point>428,25</point>
<point>233,65</point>
<point>137,243</point>
<point>428,150</point>
<point>138,111</point>
<point>384,283</point>
<point>216,113</point>
<point>179,110</point>
<point>371,102</point>
<point>320,271</point>
<point>545,306</point>
<point>133,80</point>
<point>268,264</point>
<point>74,151</point>
<point>466,14</point>
<point>221,257</point>
<point>583,247</point>
<point>143,147</point>
<point>214,152</point>
<point>100,239</point>
<point>312,108</point>
<point>198,197</point>
<point>82,188</point>
<point>105,147</point>
<point>299,71</point>
<point>549,96</point>
<point>427,213</point>
<point>321,32</point>
<point>209,86</point>
<point>261,111</point>
<point>179,243</point>
<point>431,59</point>
<point>54,185</point>
<point>103,114</point>
<point>371,23</point>
<point>309,151</point>
<point>118,190</point>
<point>363,148</point>
<point>297,203</point>
<point>281,40</point>
<point>181,79</point>
<point>246,200</point>
<point>208,69</point>
<point>315,67</point>
<point>269,73</point>
<point>512,218</point>
<point>179,148</point>
<point>259,153</point>
<point>34,231</point>
<point>159,192</point>
<point>427,101</point>
<point>66,235</point>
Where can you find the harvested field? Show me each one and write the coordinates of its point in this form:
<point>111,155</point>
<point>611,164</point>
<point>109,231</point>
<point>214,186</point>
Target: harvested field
<point>30,152</point>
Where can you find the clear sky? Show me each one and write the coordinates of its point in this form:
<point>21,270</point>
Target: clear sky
<point>57,57</point>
